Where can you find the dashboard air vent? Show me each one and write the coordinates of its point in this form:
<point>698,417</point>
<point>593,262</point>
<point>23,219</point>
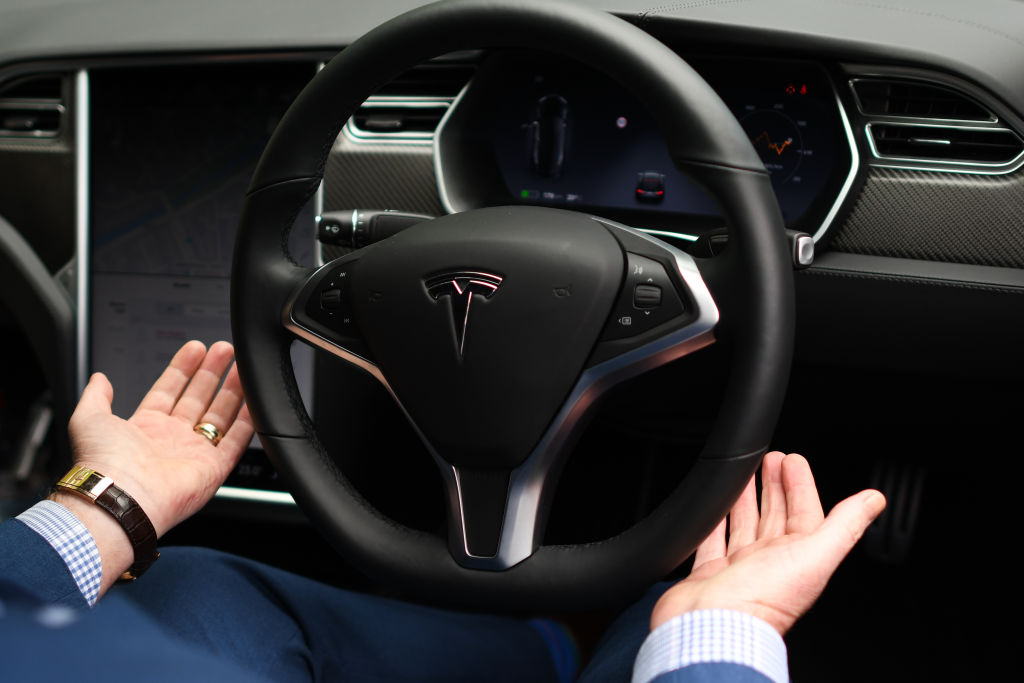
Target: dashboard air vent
<point>933,126</point>
<point>32,106</point>
<point>395,119</point>
<point>429,80</point>
<point>410,108</point>
<point>985,146</point>
<point>916,100</point>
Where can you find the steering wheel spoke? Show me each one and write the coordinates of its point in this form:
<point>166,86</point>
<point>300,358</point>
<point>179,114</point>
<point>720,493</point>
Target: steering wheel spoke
<point>497,516</point>
<point>481,533</point>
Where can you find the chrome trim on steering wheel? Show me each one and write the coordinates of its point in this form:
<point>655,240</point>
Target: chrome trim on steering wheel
<point>519,534</point>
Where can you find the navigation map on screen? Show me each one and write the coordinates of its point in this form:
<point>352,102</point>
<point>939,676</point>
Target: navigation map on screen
<point>172,152</point>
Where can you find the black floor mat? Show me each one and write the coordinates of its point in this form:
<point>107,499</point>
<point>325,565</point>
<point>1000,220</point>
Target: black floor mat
<point>940,615</point>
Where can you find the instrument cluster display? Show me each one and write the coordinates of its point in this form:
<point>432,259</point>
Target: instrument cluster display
<point>566,136</point>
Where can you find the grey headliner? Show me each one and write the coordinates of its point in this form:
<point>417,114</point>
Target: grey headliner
<point>982,40</point>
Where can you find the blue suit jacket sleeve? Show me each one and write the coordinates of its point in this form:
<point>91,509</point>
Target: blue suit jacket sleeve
<point>713,673</point>
<point>39,625</point>
<point>30,563</point>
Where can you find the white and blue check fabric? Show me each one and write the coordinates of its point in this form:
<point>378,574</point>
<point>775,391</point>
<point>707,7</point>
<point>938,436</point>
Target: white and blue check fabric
<point>71,540</point>
<point>712,636</point>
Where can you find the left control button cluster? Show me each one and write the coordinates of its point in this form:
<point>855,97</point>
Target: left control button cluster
<point>331,303</point>
<point>325,308</point>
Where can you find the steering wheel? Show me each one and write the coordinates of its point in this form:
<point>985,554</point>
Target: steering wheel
<point>497,329</point>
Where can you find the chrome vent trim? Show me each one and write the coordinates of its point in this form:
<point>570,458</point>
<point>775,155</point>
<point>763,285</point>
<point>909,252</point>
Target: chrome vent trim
<point>33,106</point>
<point>914,123</point>
<point>410,109</point>
<point>955,145</point>
<point>398,108</point>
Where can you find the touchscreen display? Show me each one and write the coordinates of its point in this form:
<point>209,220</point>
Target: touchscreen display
<point>172,151</point>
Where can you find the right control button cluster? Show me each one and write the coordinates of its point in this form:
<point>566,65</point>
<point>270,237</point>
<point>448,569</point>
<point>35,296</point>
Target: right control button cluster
<point>648,299</point>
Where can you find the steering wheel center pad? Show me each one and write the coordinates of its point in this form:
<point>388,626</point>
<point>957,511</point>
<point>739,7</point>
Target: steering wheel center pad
<point>751,284</point>
<point>482,363</point>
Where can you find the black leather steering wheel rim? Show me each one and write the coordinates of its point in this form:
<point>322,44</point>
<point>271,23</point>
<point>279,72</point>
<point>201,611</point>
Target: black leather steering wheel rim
<point>704,140</point>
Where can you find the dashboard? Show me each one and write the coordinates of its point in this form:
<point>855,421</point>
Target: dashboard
<point>126,173</point>
<point>145,157</point>
<point>172,147</point>
<point>170,143</point>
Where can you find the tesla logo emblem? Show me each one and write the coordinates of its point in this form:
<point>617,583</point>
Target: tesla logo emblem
<point>460,287</point>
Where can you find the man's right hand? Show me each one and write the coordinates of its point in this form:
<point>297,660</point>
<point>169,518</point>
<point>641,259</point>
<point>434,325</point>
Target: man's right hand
<point>776,561</point>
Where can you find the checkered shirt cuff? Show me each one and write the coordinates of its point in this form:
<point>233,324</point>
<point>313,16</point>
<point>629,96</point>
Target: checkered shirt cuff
<point>708,636</point>
<point>71,540</point>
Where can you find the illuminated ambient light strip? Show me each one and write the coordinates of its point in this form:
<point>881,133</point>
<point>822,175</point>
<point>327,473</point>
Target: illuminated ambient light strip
<point>850,177</point>
<point>668,233</point>
<point>82,225</point>
<point>256,495</point>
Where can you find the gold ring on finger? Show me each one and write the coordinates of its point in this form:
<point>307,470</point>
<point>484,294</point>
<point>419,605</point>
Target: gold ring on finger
<point>209,431</point>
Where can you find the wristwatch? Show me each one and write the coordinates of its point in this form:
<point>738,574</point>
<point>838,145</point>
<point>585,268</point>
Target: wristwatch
<point>103,492</point>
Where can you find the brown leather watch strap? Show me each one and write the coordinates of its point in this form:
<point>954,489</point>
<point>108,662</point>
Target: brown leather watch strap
<point>136,524</point>
<point>128,513</point>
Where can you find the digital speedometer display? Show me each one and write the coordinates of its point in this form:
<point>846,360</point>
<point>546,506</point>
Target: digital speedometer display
<point>567,136</point>
<point>789,115</point>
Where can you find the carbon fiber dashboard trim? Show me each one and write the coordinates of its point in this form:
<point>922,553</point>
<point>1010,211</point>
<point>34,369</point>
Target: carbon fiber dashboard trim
<point>381,176</point>
<point>932,216</point>
<point>361,175</point>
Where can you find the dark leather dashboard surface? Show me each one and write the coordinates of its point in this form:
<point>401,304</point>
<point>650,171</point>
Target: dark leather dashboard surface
<point>910,316</point>
<point>982,40</point>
